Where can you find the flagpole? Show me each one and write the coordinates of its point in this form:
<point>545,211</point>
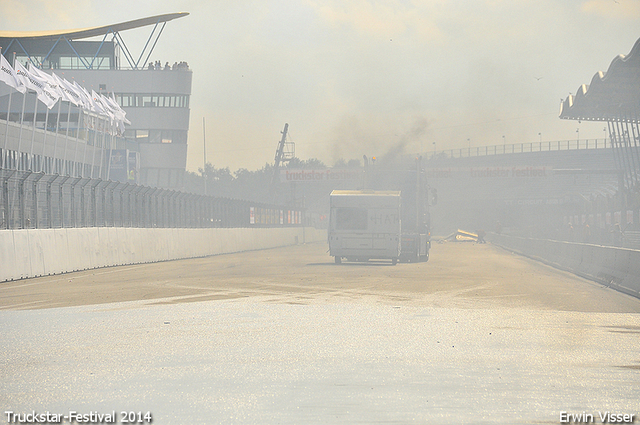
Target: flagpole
<point>75,153</point>
<point>6,129</point>
<point>79,170</point>
<point>96,132</point>
<point>24,98</point>
<point>102,149</point>
<point>95,145</point>
<point>204,143</point>
<point>109,159</point>
<point>79,173</point>
<point>33,133</point>
<point>55,142</point>
<point>86,142</point>
<point>102,140</point>
<point>66,141</point>
<point>44,138</point>
<point>96,138</point>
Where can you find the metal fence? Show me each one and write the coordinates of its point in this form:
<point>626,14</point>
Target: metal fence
<point>31,200</point>
<point>559,145</point>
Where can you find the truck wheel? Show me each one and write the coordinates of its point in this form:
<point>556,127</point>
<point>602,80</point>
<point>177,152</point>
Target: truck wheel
<point>338,260</point>
<point>394,261</point>
<point>425,258</point>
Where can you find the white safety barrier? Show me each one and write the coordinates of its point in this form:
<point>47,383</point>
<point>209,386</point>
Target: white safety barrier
<point>40,252</point>
<point>615,267</point>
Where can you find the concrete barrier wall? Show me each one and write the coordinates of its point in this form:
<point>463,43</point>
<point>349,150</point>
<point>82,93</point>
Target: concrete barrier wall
<point>615,267</point>
<point>39,252</point>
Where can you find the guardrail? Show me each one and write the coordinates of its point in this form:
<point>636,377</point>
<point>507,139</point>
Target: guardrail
<point>30,253</point>
<point>618,268</point>
<point>31,200</point>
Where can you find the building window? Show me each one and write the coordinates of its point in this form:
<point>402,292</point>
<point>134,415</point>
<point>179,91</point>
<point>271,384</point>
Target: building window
<point>351,219</point>
<point>131,100</point>
<point>73,62</point>
<point>142,136</point>
<point>125,100</point>
<point>155,136</point>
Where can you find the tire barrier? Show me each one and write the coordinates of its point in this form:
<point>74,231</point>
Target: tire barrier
<point>618,268</point>
<point>39,252</point>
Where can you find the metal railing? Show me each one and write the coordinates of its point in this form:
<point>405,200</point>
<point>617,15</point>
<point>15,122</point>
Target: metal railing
<point>31,200</point>
<point>559,145</point>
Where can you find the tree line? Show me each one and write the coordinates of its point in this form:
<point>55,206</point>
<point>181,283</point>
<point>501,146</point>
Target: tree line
<point>257,185</point>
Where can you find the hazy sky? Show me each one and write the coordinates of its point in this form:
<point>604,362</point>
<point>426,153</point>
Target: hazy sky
<point>354,77</point>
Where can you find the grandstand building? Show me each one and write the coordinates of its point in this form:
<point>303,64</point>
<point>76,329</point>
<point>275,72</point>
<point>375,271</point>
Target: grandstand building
<point>68,140</point>
<point>614,97</point>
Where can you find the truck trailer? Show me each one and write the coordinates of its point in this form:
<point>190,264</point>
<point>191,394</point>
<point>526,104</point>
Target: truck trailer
<point>416,197</point>
<point>416,220</point>
<point>365,225</point>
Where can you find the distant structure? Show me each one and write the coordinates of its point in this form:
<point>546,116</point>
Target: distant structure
<point>614,97</point>
<point>151,151</point>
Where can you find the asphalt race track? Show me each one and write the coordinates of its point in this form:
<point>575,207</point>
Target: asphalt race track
<point>284,336</point>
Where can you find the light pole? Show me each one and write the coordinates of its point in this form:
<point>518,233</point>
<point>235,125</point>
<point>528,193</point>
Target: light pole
<point>204,145</point>
<point>540,137</point>
<point>578,133</point>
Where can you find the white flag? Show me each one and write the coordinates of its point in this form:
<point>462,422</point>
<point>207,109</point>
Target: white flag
<point>52,84</point>
<point>114,109</point>
<point>84,95</point>
<point>98,106</point>
<point>121,114</point>
<point>8,75</point>
<point>30,81</point>
<point>69,91</point>
<point>49,95</point>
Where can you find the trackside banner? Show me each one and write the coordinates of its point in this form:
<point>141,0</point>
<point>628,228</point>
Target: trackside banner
<point>319,175</point>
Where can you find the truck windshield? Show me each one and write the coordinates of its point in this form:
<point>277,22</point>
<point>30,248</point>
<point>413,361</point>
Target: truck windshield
<point>351,219</point>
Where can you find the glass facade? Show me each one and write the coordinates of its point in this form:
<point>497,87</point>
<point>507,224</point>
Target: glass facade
<point>138,100</point>
<point>155,100</point>
<point>157,136</point>
<point>68,62</point>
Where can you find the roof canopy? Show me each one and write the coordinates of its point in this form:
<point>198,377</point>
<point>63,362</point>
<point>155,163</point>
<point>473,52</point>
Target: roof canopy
<point>611,96</point>
<point>51,48</point>
<point>78,34</point>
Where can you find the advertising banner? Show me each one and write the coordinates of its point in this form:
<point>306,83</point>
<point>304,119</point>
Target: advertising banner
<point>315,176</point>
